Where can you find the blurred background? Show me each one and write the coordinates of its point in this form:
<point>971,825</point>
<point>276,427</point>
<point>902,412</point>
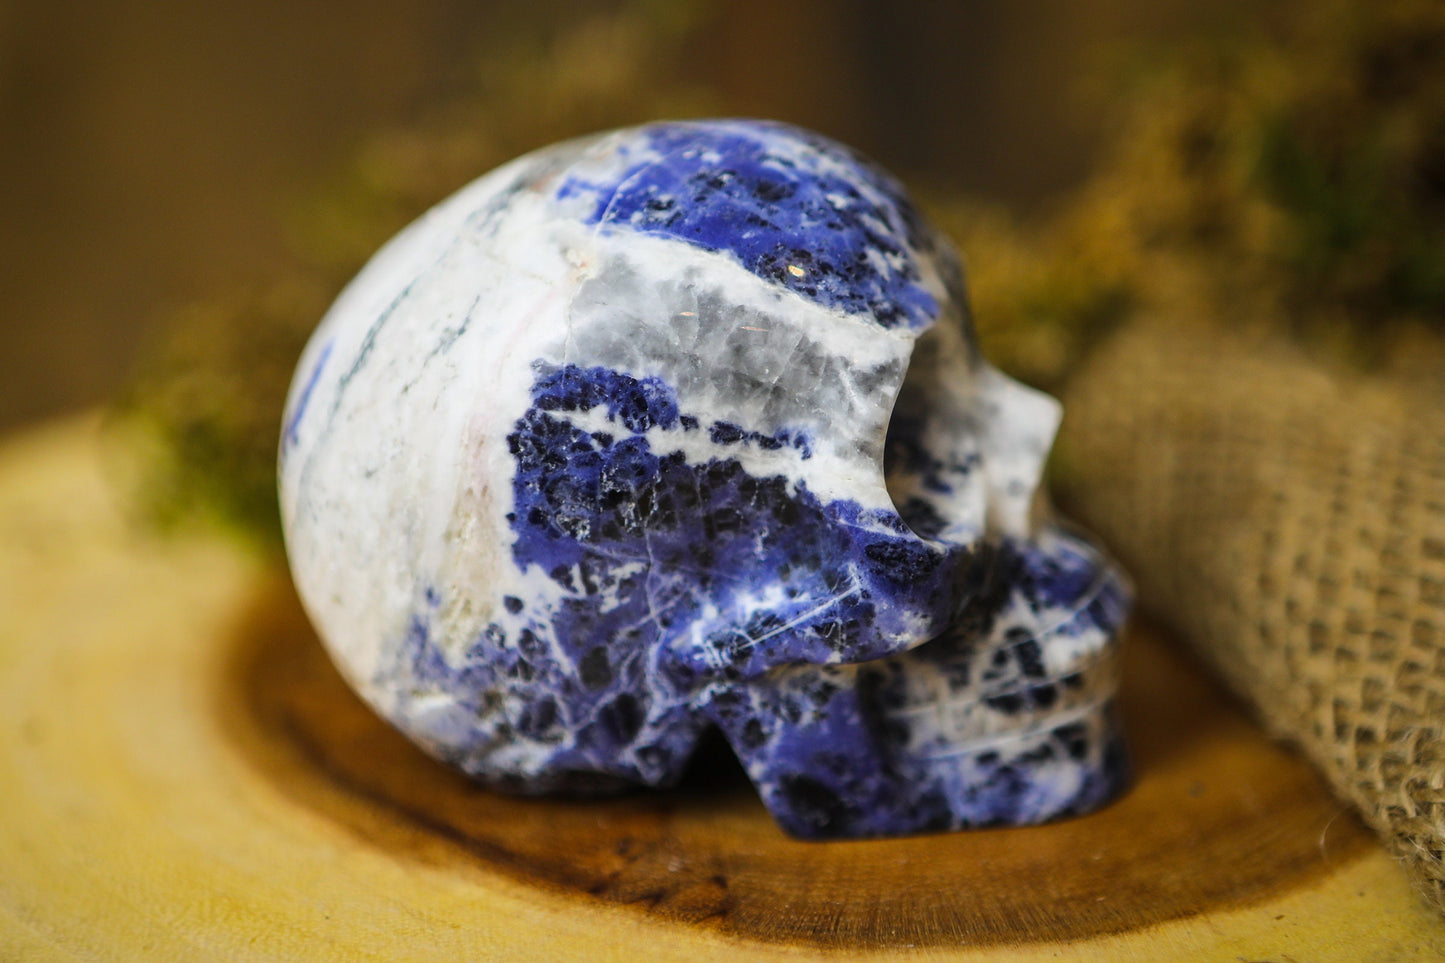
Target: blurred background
<point>158,153</point>
<point>1217,230</point>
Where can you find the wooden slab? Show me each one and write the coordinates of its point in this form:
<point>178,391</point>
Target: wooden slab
<point>185,777</point>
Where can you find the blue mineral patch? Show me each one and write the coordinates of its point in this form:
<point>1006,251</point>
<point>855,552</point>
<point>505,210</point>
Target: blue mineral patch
<point>832,754</point>
<point>637,403</point>
<point>654,632</point>
<point>586,504</point>
<point>795,208</point>
<point>293,424</point>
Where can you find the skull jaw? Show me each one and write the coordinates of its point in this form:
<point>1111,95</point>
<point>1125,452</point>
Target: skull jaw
<point>909,796</point>
<point>1016,726</point>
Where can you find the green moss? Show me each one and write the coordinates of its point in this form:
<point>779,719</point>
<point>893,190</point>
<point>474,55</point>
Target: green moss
<point>211,392</point>
<point>1290,177</point>
<point>210,396</point>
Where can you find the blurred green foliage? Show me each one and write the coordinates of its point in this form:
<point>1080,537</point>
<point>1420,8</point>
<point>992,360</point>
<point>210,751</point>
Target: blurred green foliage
<point>1291,177</point>
<point>208,399</point>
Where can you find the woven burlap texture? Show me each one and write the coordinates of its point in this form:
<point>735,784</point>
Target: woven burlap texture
<point>1289,522</point>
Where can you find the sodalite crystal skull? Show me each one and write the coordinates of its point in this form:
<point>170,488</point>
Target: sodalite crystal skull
<point>682,427</point>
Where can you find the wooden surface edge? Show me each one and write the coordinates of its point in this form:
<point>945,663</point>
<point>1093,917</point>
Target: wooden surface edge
<point>134,831</point>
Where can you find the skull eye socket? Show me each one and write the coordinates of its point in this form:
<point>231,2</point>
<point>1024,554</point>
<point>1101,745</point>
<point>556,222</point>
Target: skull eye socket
<point>931,455</point>
<point>907,468</point>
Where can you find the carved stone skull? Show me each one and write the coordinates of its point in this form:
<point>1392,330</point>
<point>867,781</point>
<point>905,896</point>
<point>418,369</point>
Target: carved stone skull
<point>683,427</point>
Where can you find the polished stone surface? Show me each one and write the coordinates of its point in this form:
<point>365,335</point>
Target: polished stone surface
<point>682,427</point>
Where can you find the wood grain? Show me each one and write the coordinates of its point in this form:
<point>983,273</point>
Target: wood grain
<point>185,777</point>
<point>1218,817</point>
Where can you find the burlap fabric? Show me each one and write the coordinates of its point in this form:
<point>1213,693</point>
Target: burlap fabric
<point>1290,523</point>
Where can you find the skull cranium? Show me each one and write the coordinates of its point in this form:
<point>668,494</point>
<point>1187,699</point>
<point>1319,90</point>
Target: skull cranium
<point>682,427</point>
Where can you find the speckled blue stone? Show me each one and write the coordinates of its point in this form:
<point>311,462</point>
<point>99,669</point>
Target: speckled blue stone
<point>624,444</point>
<point>747,189</point>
